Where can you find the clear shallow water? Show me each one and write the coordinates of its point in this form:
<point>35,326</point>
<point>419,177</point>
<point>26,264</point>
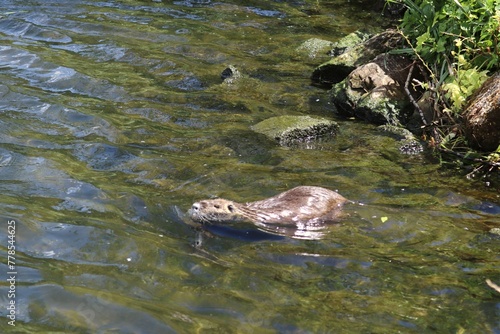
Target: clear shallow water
<point>112,117</point>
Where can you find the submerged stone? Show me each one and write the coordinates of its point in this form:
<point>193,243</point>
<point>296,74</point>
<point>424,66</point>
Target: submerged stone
<point>230,74</point>
<point>314,46</point>
<point>408,143</point>
<point>296,130</point>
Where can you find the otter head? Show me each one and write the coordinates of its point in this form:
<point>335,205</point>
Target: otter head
<point>217,210</point>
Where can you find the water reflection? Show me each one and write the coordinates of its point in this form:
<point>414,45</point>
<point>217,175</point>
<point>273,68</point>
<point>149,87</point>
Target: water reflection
<point>112,114</point>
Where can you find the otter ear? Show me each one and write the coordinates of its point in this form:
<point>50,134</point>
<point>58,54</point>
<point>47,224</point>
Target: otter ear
<point>230,207</point>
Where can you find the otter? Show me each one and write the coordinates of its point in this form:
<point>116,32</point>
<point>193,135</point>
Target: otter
<point>303,204</point>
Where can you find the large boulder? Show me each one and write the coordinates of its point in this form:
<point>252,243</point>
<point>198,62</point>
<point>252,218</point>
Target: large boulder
<point>482,116</point>
<point>375,91</point>
<point>296,130</point>
<point>337,69</point>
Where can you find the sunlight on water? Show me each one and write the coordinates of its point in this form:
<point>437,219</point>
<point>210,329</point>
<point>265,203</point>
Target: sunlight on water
<point>114,120</point>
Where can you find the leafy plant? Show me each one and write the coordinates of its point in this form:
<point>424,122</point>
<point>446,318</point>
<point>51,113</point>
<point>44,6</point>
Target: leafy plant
<point>462,82</point>
<point>458,41</point>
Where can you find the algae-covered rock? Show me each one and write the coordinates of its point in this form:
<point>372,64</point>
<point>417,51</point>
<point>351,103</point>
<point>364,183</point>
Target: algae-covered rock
<point>230,74</point>
<point>348,41</point>
<point>296,130</point>
<point>409,144</point>
<point>375,91</point>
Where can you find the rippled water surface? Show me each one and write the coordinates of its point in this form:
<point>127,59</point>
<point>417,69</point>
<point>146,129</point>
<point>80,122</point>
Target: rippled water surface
<point>114,119</point>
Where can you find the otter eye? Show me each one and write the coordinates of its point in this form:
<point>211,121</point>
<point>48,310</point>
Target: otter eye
<point>230,208</point>
<point>217,206</point>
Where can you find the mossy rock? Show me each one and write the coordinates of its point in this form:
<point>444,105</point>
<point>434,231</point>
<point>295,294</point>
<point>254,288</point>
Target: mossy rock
<point>409,144</point>
<point>375,92</point>
<point>338,68</point>
<point>296,130</point>
<point>348,41</point>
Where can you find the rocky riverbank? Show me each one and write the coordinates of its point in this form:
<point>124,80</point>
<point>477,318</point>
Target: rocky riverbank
<point>367,80</point>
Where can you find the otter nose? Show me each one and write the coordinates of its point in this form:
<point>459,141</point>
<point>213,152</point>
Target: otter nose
<point>196,206</point>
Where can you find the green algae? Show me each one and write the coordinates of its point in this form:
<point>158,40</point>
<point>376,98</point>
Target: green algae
<point>293,130</point>
<point>94,178</point>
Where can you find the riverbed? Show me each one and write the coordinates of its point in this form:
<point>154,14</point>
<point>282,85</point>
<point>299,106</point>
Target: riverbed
<point>114,119</point>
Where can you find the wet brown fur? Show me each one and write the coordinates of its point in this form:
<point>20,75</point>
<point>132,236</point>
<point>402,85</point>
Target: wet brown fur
<point>298,205</point>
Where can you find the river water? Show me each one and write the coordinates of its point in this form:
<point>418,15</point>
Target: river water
<point>113,120</point>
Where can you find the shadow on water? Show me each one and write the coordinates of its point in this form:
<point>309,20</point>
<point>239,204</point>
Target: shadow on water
<point>113,114</point>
